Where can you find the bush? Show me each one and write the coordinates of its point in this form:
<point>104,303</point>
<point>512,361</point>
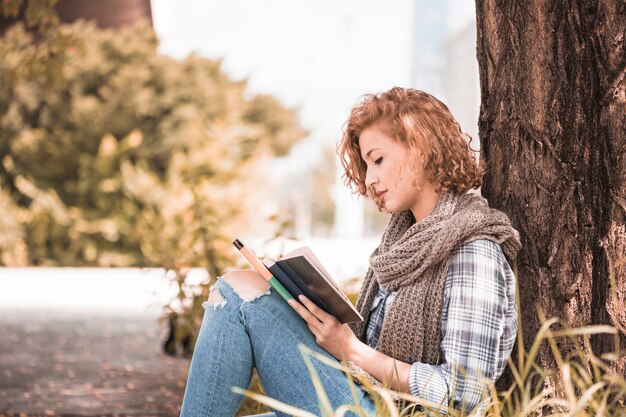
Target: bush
<point>114,155</point>
<point>144,159</point>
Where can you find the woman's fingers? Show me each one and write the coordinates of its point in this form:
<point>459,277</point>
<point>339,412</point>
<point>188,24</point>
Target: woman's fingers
<point>304,313</point>
<point>317,312</point>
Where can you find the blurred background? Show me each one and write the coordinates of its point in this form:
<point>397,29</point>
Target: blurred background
<point>138,138</point>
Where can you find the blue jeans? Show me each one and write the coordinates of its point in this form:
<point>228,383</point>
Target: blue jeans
<point>238,335</point>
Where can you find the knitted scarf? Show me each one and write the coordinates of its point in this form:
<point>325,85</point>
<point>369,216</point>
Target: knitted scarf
<point>412,259</point>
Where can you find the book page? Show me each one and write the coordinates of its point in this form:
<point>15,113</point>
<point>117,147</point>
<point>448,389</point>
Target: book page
<point>323,288</point>
<point>308,253</point>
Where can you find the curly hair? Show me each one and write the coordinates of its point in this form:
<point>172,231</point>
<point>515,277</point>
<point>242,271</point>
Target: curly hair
<point>418,121</point>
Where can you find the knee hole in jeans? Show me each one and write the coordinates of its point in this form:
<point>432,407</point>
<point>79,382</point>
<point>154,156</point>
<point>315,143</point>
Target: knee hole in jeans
<point>248,285</point>
<point>215,300</point>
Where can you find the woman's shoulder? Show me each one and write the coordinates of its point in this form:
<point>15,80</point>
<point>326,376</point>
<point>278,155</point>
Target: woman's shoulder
<point>479,248</point>
<point>478,260</point>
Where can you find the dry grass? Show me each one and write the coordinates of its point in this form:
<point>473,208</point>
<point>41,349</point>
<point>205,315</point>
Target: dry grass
<point>586,386</point>
<point>582,385</point>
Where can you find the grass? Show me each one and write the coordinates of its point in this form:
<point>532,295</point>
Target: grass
<point>582,384</point>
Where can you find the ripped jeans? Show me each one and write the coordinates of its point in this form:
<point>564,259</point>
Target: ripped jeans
<point>238,335</point>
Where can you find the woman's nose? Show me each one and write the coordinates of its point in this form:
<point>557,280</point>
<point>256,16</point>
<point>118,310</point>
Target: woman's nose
<point>370,178</point>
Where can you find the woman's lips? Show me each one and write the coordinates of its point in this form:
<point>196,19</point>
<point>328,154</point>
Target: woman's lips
<point>382,195</point>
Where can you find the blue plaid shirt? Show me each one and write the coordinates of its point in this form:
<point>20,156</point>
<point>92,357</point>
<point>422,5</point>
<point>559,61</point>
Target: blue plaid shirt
<point>478,326</point>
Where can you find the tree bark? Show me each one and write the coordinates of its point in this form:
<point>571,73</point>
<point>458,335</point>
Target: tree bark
<point>553,134</point>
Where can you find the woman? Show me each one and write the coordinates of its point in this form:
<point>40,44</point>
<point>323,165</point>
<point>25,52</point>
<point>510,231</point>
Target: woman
<point>438,299</point>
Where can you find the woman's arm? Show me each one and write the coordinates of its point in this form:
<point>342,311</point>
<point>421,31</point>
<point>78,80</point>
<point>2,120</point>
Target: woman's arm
<point>382,367</point>
<point>339,340</point>
<point>477,308</point>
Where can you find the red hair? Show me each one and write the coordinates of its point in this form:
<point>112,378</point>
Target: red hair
<point>419,121</point>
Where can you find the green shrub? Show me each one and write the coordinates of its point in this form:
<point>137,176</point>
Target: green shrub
<point>114,155</point>
<point>130,157</point>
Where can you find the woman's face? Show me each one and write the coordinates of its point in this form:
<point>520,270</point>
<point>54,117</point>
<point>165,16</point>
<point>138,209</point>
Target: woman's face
<point>389,172</point>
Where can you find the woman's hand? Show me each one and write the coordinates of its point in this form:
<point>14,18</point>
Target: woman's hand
<point>334,337</point>
<point>339,340</point>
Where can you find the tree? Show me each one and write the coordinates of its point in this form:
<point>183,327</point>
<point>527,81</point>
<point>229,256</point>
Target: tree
<point>48,52</point>
<point>136,156</point>
<point>553,133</point>
<point>130,158</point>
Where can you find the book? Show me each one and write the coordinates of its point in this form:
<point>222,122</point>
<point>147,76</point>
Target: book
<point>261,269</point>
<point>292,282</point>
<point>300,272</point>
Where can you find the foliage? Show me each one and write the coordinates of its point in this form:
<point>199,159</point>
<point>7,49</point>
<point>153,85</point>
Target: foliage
<point>124,157</point>
<point>12,244</point>
<point>38,14</point>
<point>139,159</point>
<point>46,57</point>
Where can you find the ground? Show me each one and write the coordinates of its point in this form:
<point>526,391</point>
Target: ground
<point>86,364</point>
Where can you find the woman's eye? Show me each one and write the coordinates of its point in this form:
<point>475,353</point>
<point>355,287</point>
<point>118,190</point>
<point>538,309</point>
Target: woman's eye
<point>378,161</point>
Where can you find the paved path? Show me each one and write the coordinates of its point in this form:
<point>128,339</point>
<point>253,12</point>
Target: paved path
<point>86,364</point>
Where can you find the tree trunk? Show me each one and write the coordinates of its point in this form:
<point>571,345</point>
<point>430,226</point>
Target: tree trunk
<point>553,134</point>
<point>106,14</point>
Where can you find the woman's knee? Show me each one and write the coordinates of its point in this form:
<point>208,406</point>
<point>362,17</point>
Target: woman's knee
<point>247,284</point>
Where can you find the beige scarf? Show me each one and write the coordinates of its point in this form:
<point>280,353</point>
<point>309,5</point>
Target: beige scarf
<point>412,259</point>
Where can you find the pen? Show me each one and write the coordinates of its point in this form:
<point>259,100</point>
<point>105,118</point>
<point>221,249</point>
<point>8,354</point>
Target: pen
<point>261,269</point>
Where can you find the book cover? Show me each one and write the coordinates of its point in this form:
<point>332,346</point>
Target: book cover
<point>300,272</point>
<point>292,282</point>
<point>337,302</point>
<point>310,276</point>
<point>286,281</point>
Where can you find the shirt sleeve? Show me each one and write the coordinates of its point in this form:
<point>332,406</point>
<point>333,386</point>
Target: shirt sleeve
<point>472,325</point>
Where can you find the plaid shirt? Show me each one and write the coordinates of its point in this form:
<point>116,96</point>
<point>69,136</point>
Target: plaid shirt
<point>478,326</point>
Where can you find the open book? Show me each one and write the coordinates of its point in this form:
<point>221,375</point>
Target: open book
<point>300,272</point>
